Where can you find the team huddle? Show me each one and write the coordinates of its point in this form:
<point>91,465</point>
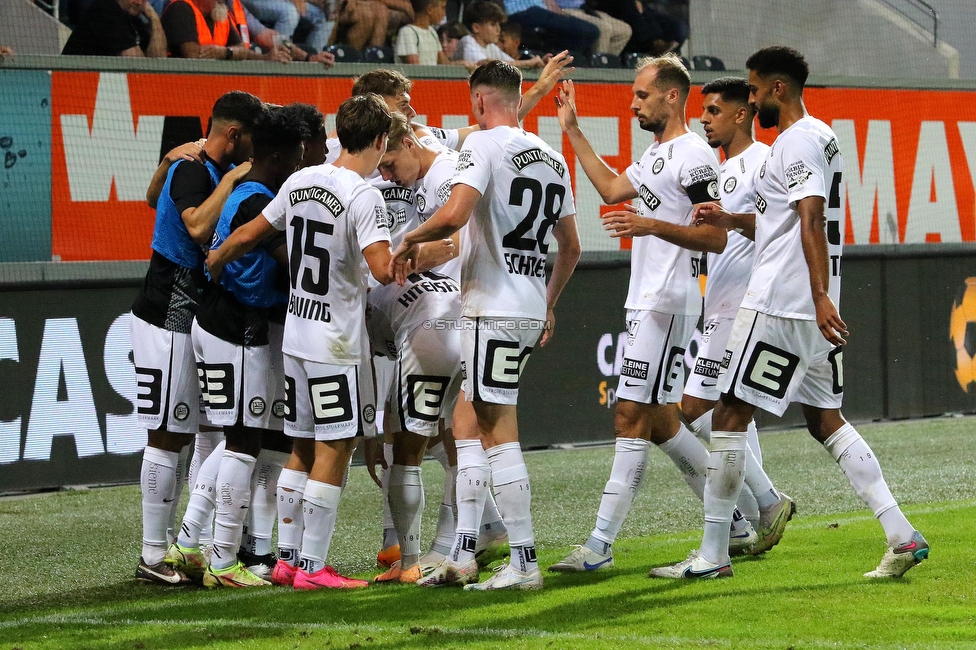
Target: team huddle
<point>307,289</point>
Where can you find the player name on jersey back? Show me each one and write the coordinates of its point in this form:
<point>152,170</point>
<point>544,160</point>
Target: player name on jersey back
<point>330,215</point>
<point>525,190</point>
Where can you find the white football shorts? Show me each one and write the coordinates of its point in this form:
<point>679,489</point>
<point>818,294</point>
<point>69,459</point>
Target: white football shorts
<point>653,370</point>
<point>167,388</point>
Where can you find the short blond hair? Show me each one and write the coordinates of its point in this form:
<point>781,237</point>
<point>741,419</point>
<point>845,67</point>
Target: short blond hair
<point>400,128</point>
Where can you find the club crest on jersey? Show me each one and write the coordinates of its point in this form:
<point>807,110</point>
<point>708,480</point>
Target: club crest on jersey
<point>649,198</point>
<point>831,150</point>
<point>279,409</point>
<point>658,166</point>
<point>320,195</point>
<point>369,413</point>
<point>421,202</point>
<point>395,218</point>
<point>181,411</point>
<point>256,406</point>
<point>464,161</point>
<point>760,204</point>
<point>532,156</point>
<point>402,194</point>
<point>729,186</point>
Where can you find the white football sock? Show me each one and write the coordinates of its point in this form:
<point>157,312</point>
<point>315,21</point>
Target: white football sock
<point>260,520</point>
<point>389,531</point>
<point>702,427</point>
<point>233,500</point>
<point>626,478</point>
<point>407,506</point>
<point>861,466</point>
<point>203,499</point>
<point>474,472</point>
<point>690,456</point>
<point>158,481</point>
<point>510,479</point>
<point>291,522</point>
<point>726,465</point>
<point>447,512</point>
<point>203,446</point>
<point>492,522</point>
<point>321,505</point>
<point>181,469</point>
<point>752,435</point>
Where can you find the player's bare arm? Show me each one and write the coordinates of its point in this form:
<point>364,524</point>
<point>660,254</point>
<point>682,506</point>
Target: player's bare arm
<point>433,254</point>
<point>628,223</point>
<point>613,187</point>
<point>451,217</point>
<point>201,220</point>
<point>241,241</point>
<point>566,235</point>
<point>188,151</point>
<point>714,214</point>
<point>380,261</point>
<point>813,237</point>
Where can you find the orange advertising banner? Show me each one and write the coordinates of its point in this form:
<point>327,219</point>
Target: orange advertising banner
<point>910,155</point>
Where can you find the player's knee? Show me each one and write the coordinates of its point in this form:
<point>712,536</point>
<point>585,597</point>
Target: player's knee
<point>629,421</point>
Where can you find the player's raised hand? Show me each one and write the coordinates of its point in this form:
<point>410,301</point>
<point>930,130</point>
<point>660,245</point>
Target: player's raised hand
<point>627,223</point>
<point>566,105</point>
<point>404,261</point>
<point>556,68</point>
<point>829,321</point>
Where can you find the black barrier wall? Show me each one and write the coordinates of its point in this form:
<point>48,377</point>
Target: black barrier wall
<point>67,384</point>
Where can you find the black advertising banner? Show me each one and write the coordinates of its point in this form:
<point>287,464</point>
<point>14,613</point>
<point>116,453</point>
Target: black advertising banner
<point>67,388</point>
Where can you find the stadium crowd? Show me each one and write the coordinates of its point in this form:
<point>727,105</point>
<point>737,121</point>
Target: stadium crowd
<point>524,32</point>
<point>388,281</point>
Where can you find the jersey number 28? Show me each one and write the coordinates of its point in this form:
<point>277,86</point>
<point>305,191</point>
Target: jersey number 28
<point>554,195</point>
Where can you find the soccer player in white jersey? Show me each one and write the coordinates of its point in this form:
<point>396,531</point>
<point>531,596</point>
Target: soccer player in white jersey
<point>429,170</point>
<point>514,193</point>
<point>333,219</point>
<point>664,299</point>
<point>727,119</point>
<point>786,343</point>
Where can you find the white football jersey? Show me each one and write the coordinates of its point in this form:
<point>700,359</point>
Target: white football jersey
<point>334,149</point>
<point>397,311</point>
<point>330,214</point>
<point>804,161</point>
<point>525,189</point>
<point>433,191</point>
<point>401,208</point>
<point>729,271</point>
<point>669,179</point>
<point>441,138</point>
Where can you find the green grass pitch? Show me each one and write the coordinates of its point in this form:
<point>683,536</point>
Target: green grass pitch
<point>67,563</point>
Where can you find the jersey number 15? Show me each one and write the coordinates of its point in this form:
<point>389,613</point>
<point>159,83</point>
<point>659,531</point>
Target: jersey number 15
<point>303,244</point>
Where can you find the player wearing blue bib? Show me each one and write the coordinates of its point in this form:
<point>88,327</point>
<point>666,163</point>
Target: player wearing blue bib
<point>168,391</point>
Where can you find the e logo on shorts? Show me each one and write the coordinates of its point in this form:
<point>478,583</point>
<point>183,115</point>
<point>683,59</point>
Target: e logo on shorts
<point>770,370</point>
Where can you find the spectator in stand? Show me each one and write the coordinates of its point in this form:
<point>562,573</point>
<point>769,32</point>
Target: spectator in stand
<point>653,32</point>
<point>118,28</point>
<point>451,35</point>
<point>265,38</point>
<point>510,40</point>
<point>362,23</point>
<point>484,19</point>
<point>207,29</point>
<point>283,16</point>
<point>568,32</point>
<point>614,33</point>
<point>418,41</point>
